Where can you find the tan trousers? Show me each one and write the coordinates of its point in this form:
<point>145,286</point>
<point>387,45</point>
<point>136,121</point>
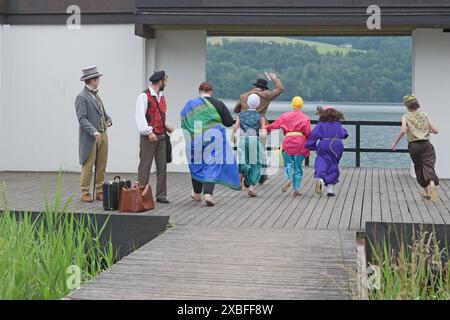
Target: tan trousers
<point>88,167</point>
<point>149,151</point>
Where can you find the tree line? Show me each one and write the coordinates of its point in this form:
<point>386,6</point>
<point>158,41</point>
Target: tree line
<point>381,74</point>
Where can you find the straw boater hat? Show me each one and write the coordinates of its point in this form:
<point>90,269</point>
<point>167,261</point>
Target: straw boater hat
<point>410,98</point>
<point>90,73</point>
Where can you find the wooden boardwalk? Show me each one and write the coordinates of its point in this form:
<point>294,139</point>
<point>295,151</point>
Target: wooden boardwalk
<point>271,247</point>
<point>386,195</point>
<point>217,263</point>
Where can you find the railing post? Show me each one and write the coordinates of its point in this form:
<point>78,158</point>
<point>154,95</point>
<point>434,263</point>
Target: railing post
<point>358,145</point>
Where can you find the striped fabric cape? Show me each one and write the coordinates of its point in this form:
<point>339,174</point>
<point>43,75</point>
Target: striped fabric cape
<point>210,156</point>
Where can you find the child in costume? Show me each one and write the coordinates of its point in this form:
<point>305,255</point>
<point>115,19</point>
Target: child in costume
<point>252,125</point>
<point>417,126</point>
<point>326,139</point>
<point>296,128</point>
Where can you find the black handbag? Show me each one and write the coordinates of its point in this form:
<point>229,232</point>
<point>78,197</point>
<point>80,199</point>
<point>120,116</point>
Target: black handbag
<point>168,149</point>
<point>112,193</point>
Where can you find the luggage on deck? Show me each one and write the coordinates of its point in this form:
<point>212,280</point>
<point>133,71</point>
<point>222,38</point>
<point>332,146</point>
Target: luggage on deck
<point>136,199</point>
<point>112,193</point>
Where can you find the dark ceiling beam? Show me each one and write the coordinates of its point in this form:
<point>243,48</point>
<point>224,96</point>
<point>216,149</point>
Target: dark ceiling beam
<point>18,7</point>
<point>287,17</point>
<point>3,10</point>
<point>144,31</point>
<point>54,12</point>
<point>289,4</point>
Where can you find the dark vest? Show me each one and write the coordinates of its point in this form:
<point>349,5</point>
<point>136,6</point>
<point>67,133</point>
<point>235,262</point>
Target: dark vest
<point>156,113</point>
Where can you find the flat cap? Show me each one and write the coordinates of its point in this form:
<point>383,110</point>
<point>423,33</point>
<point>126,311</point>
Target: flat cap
<point>158,76</point>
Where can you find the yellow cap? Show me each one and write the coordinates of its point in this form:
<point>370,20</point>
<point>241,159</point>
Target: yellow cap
<point>297,103</point>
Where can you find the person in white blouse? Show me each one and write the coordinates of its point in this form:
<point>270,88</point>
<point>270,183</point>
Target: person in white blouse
<point>153,128</point>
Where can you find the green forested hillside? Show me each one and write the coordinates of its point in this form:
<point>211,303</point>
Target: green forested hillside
<point>378,71</point>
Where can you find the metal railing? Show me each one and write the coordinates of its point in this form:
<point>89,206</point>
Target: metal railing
<point>358,149</point>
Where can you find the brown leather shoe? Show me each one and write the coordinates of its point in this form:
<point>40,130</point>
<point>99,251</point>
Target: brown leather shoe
<point>86,198</point>
<point>99,197</point>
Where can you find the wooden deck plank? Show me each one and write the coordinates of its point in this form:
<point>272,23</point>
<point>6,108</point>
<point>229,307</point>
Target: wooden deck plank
<point>240,207</point>
<point>367,201</point>
<point>293,211</point>
<point>336,215</point>
<point>316,213</point>
<point>393,201</point>
<point>358,202</point>
<point>298,210</point>
<point>331,203</point>
<point>193,210</point>
<point>423,209</point>
<point>386,212</point>
<point>403,205</point>
<point>416,214</point>
<point>277,208</point>
<point>265,193</point>
<point>445,189</point>
<point>384,192</point>
<point>432,208</point>
<point>251,219</point>
<point>376,196</point>
<point>208,263</point>
<point>268,220</point>
<point>347,209</point>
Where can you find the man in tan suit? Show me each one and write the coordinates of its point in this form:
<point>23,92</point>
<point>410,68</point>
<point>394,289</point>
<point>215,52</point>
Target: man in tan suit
<point>93,137</point>
<point>260,87</point>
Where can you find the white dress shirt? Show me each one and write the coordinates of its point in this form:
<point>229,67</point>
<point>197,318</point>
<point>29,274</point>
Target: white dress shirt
<point>141,111</point>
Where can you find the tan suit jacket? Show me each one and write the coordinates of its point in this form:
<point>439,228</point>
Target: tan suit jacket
<point>266,98</point>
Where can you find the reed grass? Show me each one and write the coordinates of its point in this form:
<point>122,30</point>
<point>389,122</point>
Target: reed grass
<point>36,251</point>
<point>420,271</point>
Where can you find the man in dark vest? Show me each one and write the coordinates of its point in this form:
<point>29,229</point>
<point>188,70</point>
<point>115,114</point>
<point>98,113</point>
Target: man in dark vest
<point>151,121</point>
<point>93,139</point>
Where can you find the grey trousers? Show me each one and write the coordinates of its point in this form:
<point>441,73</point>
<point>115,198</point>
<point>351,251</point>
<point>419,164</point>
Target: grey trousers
<point>149,151</point>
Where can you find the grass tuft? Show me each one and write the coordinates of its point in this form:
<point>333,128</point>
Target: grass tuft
<point>36,252</point>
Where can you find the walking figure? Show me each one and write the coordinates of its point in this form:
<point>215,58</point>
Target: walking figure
<point>417,125</point>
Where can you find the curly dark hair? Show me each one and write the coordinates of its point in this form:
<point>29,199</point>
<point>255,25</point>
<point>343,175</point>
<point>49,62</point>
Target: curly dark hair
<point>331,115</point>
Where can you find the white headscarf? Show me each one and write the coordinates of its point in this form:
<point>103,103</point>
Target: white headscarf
<point>253,101</point>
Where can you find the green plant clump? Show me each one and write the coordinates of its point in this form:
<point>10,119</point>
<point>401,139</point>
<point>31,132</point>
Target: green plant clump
<point>417,272</point>
<point>38,254</point>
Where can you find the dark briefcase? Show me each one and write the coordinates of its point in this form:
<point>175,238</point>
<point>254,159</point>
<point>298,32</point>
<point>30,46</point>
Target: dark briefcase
<point>112,193</point>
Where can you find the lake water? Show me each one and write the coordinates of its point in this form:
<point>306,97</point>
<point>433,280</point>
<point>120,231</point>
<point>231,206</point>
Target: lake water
<point>371,137</point>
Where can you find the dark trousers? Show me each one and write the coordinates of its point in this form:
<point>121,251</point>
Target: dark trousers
<point>153,150</point>
<point>423,156</point>
<point>207,188</point>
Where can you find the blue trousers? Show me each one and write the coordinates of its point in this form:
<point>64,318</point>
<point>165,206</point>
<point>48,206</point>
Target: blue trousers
<point>293,169</point>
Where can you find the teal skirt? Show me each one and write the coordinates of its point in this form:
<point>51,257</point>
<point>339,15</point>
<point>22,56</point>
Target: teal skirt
<point>250,159</point>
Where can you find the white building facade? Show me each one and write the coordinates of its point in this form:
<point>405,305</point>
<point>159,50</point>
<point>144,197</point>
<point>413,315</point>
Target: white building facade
<point>41,61</point>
